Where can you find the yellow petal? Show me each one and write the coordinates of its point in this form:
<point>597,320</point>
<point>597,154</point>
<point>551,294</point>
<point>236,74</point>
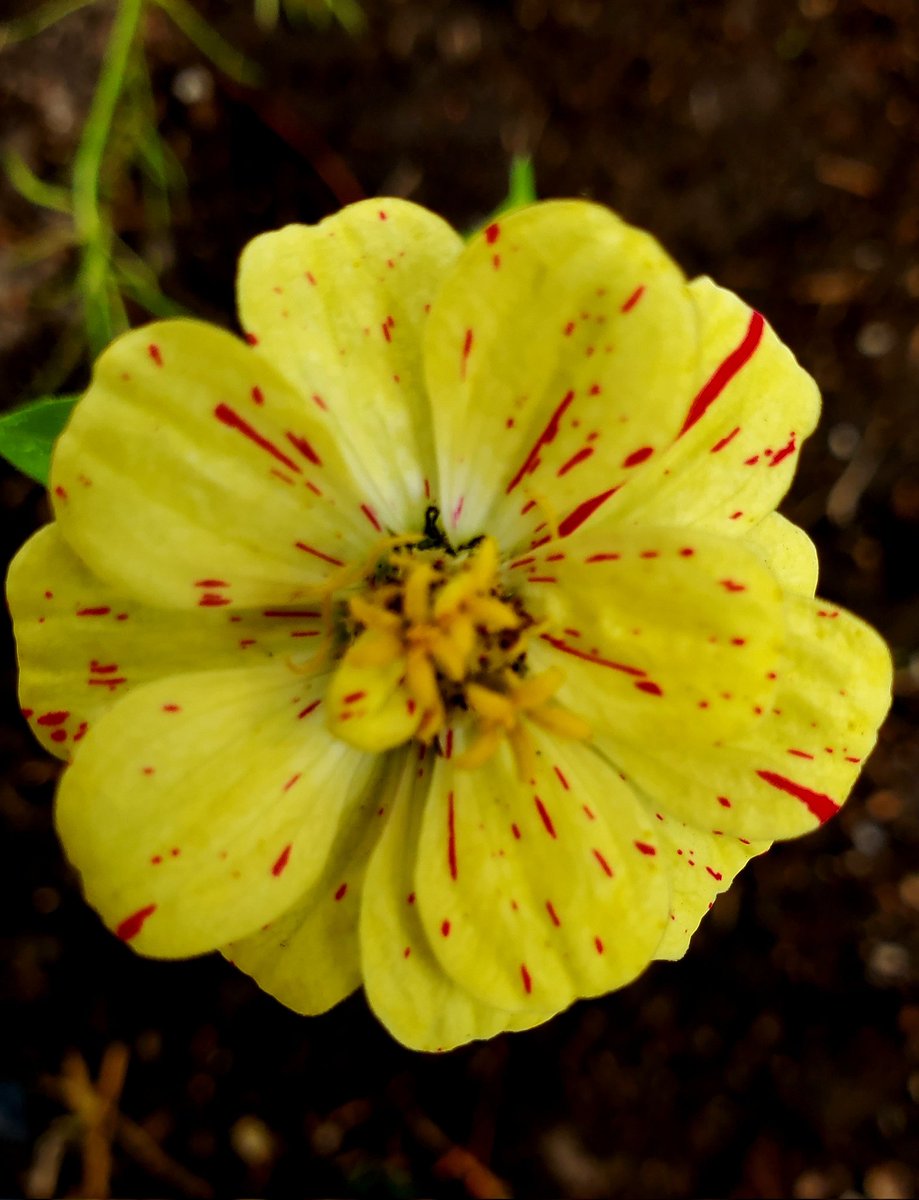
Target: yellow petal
<point>656,630</point>
<point>190,457</point>
<point>750,409</point>
<point>406,986</point>
<point>201,806</point>
<point>702,866</point>
<point>339,307</point>
<point>561,347</point>
<point>795,766</point>
<point>309,957</point>
<point>83,645</point>
<point>533,894</point>
<point>788,552</point>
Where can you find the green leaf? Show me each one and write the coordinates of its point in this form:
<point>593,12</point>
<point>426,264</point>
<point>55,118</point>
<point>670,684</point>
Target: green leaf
<point>28,433</point>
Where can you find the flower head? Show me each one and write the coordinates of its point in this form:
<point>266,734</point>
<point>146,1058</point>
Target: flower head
<point>441,636</point>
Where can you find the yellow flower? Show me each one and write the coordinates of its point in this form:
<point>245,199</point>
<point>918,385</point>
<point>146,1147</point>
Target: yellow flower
<point>443,638</point>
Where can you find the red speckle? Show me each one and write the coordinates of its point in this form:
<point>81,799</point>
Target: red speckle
<point>457,512</point>
<point>60,492</point>
<point>527,979</point>
<point>787,449</point>
<point>598,945</point>
<point>585,509</point>
<point>353,697</point>
<point>154,351</point>
<point>738,641</point>
<point>569,329</point>
<point>492,233</point>
<point>305,712</point>
<point>448,744</point>
<point>725,440</point>
<point>303,446</point>
<point>211,583</point>
<point>645,848</point>
<point>172,708</point>
<point>156,860</point>
<point>251,339</point>
<point>591,657</point>
<point>731,585</point>
<point>282,860</point>
<point>93,612</point>
<point>544,817</point>
<point>383,215</point>
<point>515,830</point>
<point>650,554</point>
<point>406,952</point>
<point>821,806</point>
<point>451,837</point>
<point>258,395</point>
<point>638,456</point>
<point>633,299</point>
<point>290,783</point>
<point>550,909</point>
<point>445,929</point>
<point>58,735</point>
<point>687,552</point>
<point>149,770</point>
<point>800,754</point>
<point>547,436</point>
<point>371,517</point>
<point>212,600</point>
<point>229,417</point>
<point>410,898</point>
<point>340,891</point>
<point>581,456</point>
<point>562,780</point>
<point>725,372</point>
<point>467,350</point>
<point>54,718</point>
<point>336,562</point>
<point>724,802</point>
<point>131,926</point>
<point>647,685</point>
<point>716,875</point>
<point>607,869</point>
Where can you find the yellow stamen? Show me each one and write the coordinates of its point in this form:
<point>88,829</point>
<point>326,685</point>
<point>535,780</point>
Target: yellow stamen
<point>492,706</point>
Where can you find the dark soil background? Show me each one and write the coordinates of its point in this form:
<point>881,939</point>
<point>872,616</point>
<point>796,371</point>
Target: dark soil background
<point>773,145</point>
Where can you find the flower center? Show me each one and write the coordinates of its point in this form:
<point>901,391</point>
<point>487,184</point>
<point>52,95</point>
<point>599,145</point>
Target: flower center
<point>429,632</point>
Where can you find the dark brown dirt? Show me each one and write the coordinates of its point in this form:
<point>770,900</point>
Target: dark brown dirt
<point>771,145</point>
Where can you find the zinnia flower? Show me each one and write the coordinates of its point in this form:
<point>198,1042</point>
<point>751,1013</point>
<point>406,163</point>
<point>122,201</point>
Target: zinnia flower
<point>441,636</point>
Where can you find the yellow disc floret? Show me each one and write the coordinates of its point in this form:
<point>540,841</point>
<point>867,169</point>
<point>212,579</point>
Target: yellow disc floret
<point>428,633</point>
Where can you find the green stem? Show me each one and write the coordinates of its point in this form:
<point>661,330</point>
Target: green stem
<point>103,318</point>
<point>24,180</point>
<point>226,58</point>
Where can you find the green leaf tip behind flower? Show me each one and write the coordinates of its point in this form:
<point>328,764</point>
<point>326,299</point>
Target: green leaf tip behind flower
<point>28,434</point>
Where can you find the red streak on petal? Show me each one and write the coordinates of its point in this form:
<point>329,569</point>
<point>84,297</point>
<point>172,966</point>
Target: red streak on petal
<point>154,352</point>
<point>305,712</point>
<point>445,929</point>
<point>467,350</point>
<point>522,562</point>
<point>448,744</point>
<point>544,817</point>
<point>638,456</point>
<point>229,417</point>
<point>541,579</point>
<point>212,600</point>
<point>300,443</point>
<point>559,644</point>
<point>550,909</point>
<point>340,891</point>
<point>290,783</point>
<point>823,807</point>
<point>111,682</point>
<point>336,562</point>
<point>353,697</point>
<point>317,399</point>
<point>587,508</point>
<point>717,875</point>
<point>633,299</point>
<point>54,718</point>
<point>282,861</point>
<point>646,685</point>
<point>258,395</point>
<point>581,456</point>
<point>787,449</point>
<point>725,440</point>
<point>599,945</point>
<point>451,837</point>
<point>588,812</point>
<point>171,708</point>
<point>516,832</point>
<point>595,558</point>
<point>645,848</point>
<point>93,612</point>
<point>801,754</point>
<point>131,926</point>
<point>607,869</point>
<point>731,585</point>
<point>548,435</point>
<point>724,802</point>
<point>562,780</point>
<point>371,517</point>
<point>725,372</point>
<point>527,979</point>
<point>211,583</point>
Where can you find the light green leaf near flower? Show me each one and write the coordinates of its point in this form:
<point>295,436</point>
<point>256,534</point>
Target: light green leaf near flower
<point>28,434</point>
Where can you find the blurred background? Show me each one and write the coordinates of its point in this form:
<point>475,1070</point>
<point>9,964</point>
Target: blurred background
<point>769,143</point>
